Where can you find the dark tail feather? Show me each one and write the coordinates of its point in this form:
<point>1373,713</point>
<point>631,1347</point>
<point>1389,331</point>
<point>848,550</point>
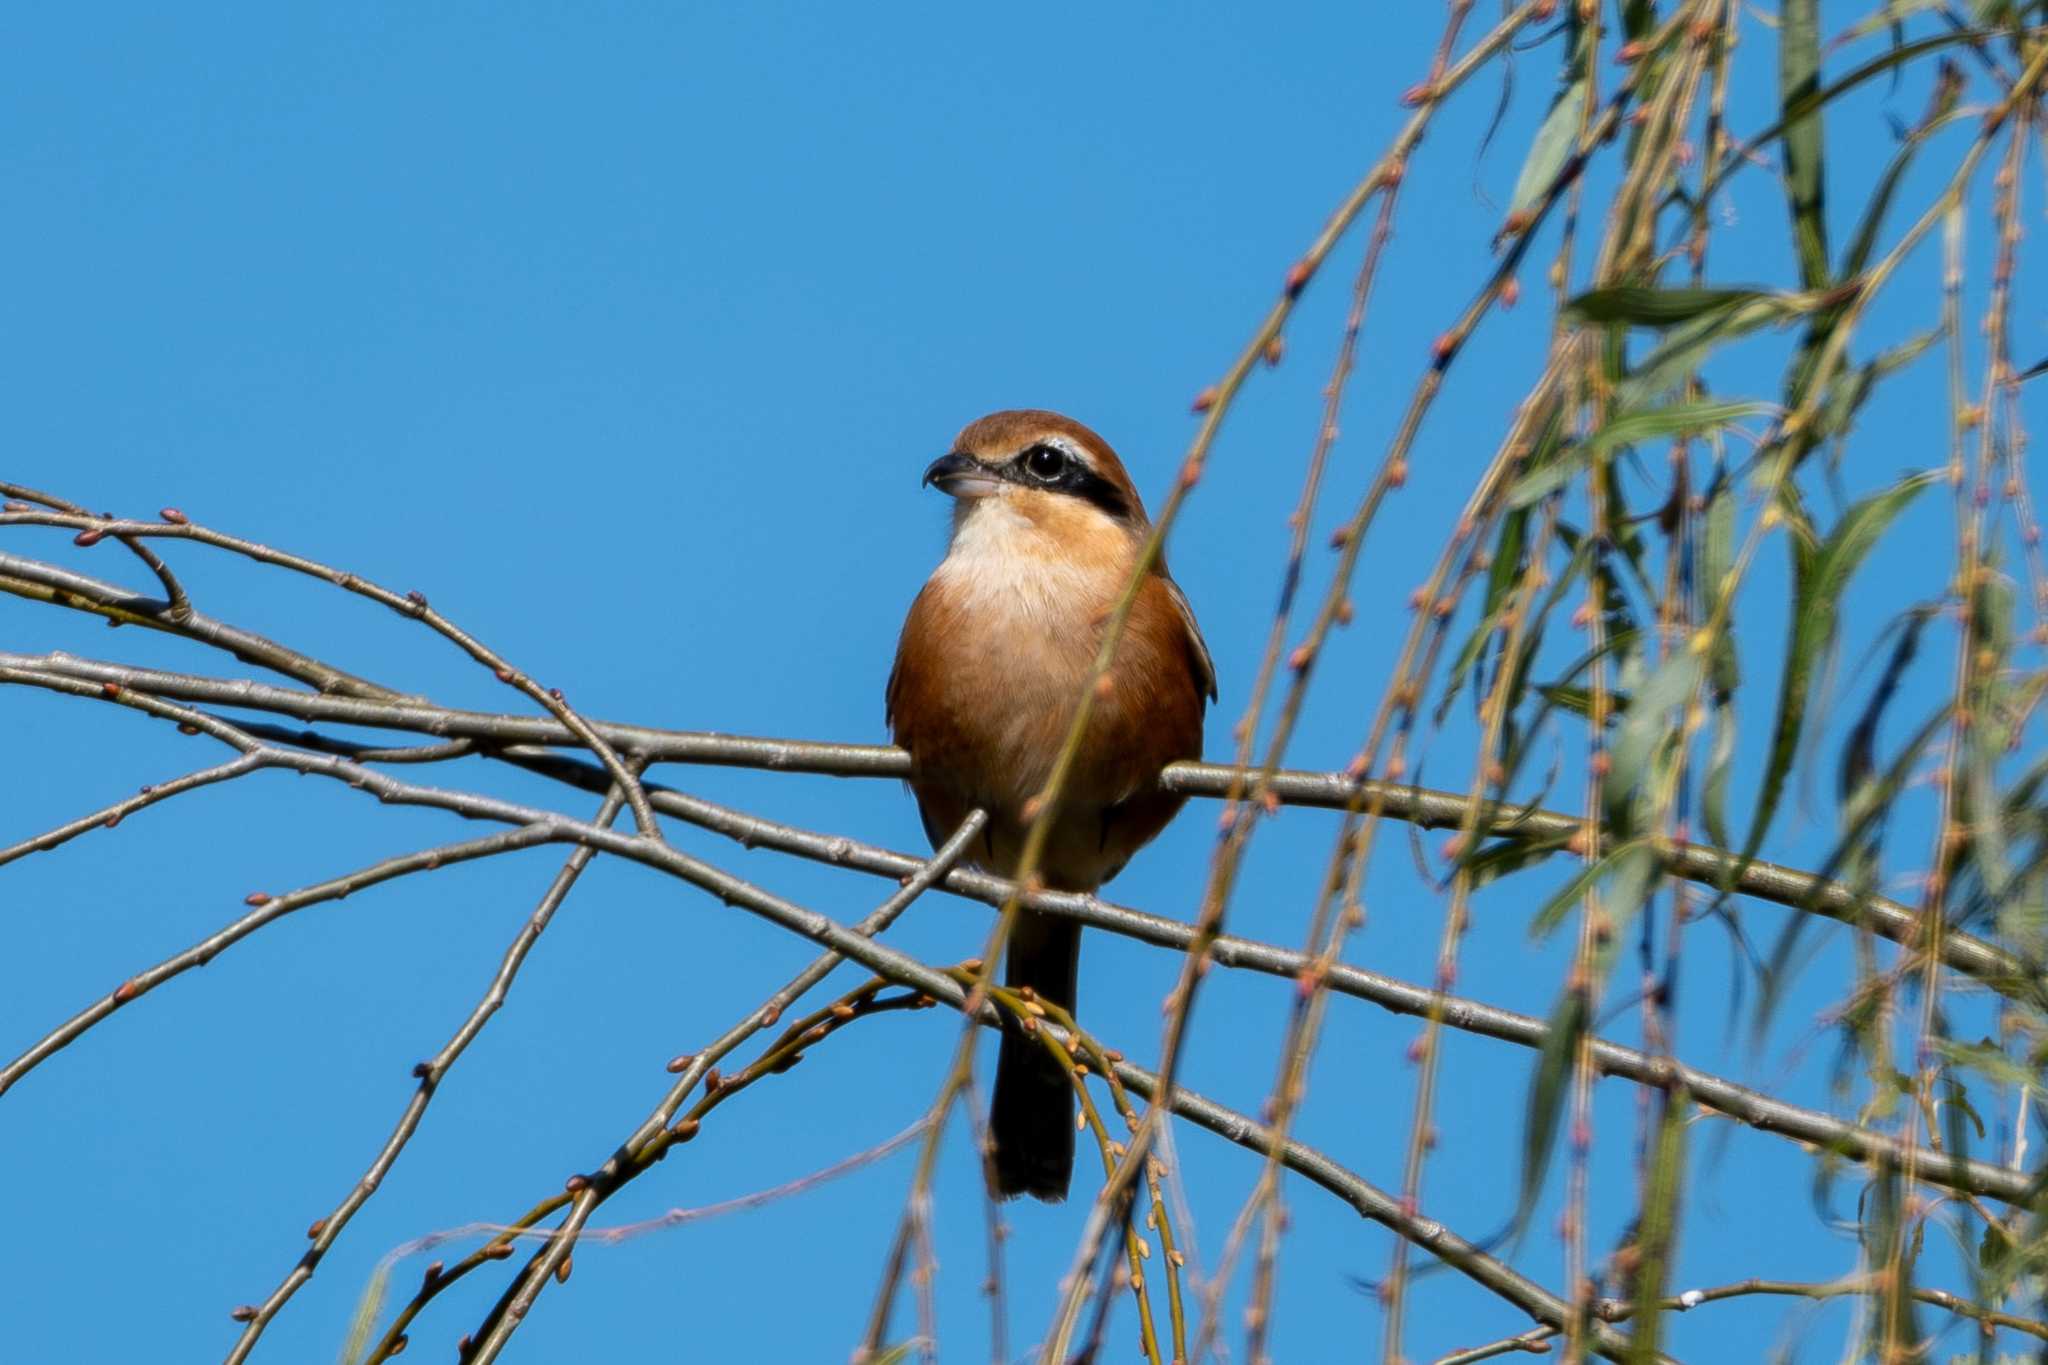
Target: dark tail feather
<point>1031,1118</point>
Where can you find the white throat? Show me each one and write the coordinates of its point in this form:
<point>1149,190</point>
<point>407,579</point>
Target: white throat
<point>1003,564</point>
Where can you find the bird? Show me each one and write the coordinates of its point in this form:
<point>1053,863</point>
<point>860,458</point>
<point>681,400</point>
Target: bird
<point>995,654</point>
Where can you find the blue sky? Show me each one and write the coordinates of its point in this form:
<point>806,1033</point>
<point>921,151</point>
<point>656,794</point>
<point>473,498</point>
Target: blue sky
<point>624,332</point>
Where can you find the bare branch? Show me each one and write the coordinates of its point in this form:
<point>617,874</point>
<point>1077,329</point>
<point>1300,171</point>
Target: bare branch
<point>430,1073</point>
<point>412,605</point>
<point>1541,830</point>
<point>624,1162</point>
<point>40,582</point>
<point>106,817</point>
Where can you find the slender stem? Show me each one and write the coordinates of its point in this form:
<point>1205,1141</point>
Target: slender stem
<point>1536,828</point>
<point>430,1073</point>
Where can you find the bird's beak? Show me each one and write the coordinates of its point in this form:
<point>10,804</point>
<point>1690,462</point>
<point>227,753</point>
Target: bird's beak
<point>962,476</point>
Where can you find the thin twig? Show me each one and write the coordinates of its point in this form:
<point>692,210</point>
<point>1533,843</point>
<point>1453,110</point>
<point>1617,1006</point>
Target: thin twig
<point>430,1074</point>
<point>1540,830</point>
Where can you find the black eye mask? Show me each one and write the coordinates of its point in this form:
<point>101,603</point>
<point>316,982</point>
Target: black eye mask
<point>1053,469</point>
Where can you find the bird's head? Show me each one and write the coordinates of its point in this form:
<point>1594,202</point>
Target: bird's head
<point>1044,469</point>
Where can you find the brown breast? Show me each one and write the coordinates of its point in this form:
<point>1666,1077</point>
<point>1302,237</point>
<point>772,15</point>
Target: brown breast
<point>983,698</point>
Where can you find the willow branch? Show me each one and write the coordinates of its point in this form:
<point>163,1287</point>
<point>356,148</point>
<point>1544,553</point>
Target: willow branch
<point>787,1051</point>
<point>412,605</point>
<point>1739,1102</point>
<point>1375,1204</point>
<point>534,824</point>
<point>1540,830</point>
<point>429,1073</point>
<point>267,908</point>
<point>59,587</point>
<point>180,603</point>
<point>106,817</point>
<point>1618,1310</point>
<point>639,1150</point>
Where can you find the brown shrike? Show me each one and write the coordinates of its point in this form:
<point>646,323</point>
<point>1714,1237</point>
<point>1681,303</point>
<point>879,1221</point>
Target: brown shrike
<point>992,663</point>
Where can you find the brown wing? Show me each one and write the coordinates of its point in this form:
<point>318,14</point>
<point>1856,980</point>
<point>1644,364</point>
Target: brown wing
<point>1151,717</point>
<point>1198,649</point>
<point>915,709</point>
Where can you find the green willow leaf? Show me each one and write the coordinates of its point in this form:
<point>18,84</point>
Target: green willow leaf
<point>1847,393</point>
<point>1657,1228</point>
<point>1502,574</point>
<point>1685,347</point>
<point>1820,578</point>
<point>1988,1059</point>
<point>1648,724</point>
<point>1983,813</point>
<point>1888,17</point>
<point>1716,559</point>
<point>1552,147</point>
<point>1805,178</point>
<point>363,1322</point>
<point>1552,912</point>
<point>1865,241</point>
<point>1638,306</point>
<point>1819,99</point>
<point>1548,1089</point>
<point>1650,424</point>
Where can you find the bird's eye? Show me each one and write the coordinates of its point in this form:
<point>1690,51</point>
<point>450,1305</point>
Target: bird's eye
<point>1045,462</point>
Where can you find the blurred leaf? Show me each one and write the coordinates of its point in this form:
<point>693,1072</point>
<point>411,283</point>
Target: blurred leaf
<point>1989,1060</point>
<point>1820,579</point>
<point>1948,83</point>
<point>363,1321</point>
<point>1890,16</point>
<point>1724,670</point>
<point>1848,393</point>
<point>1636,17</point>
<point>1628,428</point>
<point>1635,879</point>
<point>1859,750</point>
<point>1552,912</point>
<point>1548,1089</point>
<point>1579,700</point>
<point>1957,1102</point>
<point>1539,484</point>
<point>1555,140</point>
<point>1639,306</point>
<point>1865,809</point>
<point>1649,424</point>
<point>1716,559</point>
<point>1805,180</point>
<point>1884,1240</point>
<point>1648,724</point>
<point>1991,608</point>
<point>1685,346</point>
<point>1818,99</point>
<point>1504,856</point>
<point>1720,762</point>
<point>1657,1227</point>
